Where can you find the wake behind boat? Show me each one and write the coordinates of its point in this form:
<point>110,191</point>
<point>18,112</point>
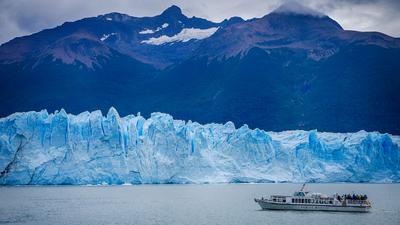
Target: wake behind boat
<point>304,200</point>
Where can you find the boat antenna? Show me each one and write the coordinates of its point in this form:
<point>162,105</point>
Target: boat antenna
<point>302,188</point>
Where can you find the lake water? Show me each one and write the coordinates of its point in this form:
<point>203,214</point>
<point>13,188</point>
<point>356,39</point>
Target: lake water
<point>224,204</point>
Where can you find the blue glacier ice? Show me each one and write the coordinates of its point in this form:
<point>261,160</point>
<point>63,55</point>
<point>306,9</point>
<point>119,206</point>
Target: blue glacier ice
<point>89,148</point>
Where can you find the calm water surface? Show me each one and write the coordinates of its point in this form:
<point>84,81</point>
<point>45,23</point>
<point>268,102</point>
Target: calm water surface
<point>227,204</point>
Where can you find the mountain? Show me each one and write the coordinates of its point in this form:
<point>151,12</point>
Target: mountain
<point>85,40</point>
<point>60,148</point>
<point>294,68</point>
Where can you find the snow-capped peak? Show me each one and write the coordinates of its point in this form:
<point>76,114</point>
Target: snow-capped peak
<point>293,7</point>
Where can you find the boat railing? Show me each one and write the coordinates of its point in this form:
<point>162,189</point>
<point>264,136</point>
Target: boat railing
<point>356,202</point>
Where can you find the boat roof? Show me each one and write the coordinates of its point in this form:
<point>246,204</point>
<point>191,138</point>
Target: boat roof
<point>300,193</point>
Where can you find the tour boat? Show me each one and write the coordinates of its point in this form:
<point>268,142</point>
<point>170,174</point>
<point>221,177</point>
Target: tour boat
<point>304,200</point>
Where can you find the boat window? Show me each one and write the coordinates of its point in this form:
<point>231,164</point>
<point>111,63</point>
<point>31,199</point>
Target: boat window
<point>302,200</point>
<point>299,194</point>
<point>292,200</point>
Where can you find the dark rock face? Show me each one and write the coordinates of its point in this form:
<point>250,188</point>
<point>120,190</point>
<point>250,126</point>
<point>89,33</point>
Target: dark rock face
<point>283,71</point>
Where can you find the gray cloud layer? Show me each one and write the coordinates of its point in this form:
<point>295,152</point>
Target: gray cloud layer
<point>22,17</point>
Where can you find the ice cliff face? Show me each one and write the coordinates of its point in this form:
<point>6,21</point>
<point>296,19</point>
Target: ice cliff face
<point>59,148</point>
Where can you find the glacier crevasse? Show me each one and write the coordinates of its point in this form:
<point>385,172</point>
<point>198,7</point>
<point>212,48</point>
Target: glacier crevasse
<point>89,148</point>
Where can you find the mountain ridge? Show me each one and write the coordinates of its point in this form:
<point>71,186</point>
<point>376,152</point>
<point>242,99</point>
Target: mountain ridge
<point>173,12</point>
<point>283,71</point>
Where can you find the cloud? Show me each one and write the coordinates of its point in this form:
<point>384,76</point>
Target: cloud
<point>297,8</point>
<point>22,17</point>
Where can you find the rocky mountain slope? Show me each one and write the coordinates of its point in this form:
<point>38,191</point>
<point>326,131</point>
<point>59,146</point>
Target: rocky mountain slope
<point>294,68</point>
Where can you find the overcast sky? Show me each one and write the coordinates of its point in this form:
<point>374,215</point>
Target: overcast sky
<point>22,17</point>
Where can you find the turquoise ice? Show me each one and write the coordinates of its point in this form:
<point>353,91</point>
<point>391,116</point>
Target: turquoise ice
<point>89,148</point>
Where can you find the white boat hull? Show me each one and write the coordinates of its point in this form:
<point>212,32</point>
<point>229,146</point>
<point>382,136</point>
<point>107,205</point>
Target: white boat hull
<point>267,205</point>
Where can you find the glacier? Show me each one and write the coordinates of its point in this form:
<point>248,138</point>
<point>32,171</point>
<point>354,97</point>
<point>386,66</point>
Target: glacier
<point>39,148</point>
<point>185,35</point>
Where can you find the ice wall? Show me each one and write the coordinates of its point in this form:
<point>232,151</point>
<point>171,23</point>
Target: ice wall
<point>60,148</point>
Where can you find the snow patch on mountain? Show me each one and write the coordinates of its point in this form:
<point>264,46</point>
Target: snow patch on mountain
<point>105,36</point>
<point>185,35</point>
<point>60,148</point>
<point>148,31</point>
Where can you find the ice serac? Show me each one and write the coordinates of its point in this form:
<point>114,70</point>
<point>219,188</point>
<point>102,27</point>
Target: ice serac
<point>89,148</point>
